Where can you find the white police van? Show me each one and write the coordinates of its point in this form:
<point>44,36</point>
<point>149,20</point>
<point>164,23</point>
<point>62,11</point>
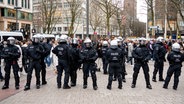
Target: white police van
<point>17,35</point>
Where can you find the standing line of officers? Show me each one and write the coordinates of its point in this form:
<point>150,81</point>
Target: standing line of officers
<point>70,58</point>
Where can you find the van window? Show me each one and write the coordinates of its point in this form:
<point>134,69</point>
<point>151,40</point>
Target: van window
<point>20,38</point>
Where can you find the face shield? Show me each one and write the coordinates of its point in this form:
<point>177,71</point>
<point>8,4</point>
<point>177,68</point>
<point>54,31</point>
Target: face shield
<point>12,42</point>
<point>88,45</point>
<point>36,40</point>
<point>142,42</point>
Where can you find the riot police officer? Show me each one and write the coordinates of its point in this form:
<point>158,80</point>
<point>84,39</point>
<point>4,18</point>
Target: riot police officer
<point>175,58</point>
<point>62,52</point>
<point>10,54</point>
<point>122,47</point>
<point>34,53</point>
<point>47,49</point>
<point>75,61</point>
<point>159,53</point>
<point>1,75</point>
<point>141,55</point>
<point>88,57</point>
<point>104,59</point>
<point>115,58</point>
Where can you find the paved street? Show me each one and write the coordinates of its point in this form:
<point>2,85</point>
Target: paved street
<point>50,94</point>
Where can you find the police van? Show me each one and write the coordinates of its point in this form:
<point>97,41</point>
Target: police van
<point>17,35</point>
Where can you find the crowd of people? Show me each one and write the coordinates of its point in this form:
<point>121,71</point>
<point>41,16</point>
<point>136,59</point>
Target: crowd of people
<point>68,55</point>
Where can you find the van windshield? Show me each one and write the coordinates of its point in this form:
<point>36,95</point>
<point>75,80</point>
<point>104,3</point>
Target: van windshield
<point>20,38</point>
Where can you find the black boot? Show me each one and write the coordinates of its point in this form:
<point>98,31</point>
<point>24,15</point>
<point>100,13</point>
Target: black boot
<point>5,87</point>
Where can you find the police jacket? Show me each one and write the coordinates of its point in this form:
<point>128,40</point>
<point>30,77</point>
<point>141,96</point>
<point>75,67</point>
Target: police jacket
<point>10,53</point>
<point>74,55</point>
<point>47,47</point>
<point>141,54</point>
<point>175,58</point>
<point>62,52</point>
<point>104,51</point>
<point>88,55</point>
<point>114,55</point>
<point>159,51</point>
<point>34,51</point>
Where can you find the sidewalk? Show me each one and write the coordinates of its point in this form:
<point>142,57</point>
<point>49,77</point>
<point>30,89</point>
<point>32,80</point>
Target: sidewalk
<point>50,94</point>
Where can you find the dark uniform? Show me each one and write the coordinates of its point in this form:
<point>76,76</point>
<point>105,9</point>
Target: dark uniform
<point>159,53</point>
<point>62,52</point>
<point>89,56</point>
<point>1,75</point>
<point>141,55</point>
<point>10,55</point>
<point>75,63</point>
<point>175,63</point>
<point>47,49</point>
<point>115,58</point>
<point>104,59</point>
<point>34,53</point>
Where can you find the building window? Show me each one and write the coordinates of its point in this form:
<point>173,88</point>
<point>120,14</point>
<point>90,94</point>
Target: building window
<point>11,13</point>
<point>25,3</point>
<point>28,4</point>
<point>59,28</point>
<point>65,28</point>
<point>22,3</point>
<point>54,28</point>
<point>8,1</point>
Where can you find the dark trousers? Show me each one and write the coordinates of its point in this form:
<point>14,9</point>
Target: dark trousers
<point>130,59</point>
<point>63,66</point>
<point>73,73</point>
<point>33,65</point>
<point>145,68</point>
<point>8,71</point>
<point>43,70</point>
<point>105,64</point>
<point>176,70</point>
<point>115,68</point>
<point>158,67</point>
<point>89,68</point>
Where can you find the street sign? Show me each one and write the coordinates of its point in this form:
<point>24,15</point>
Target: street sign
<point>153,27</point>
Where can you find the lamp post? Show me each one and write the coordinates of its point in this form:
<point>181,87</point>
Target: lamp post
<point>87,18</point>
<point>16,8</point>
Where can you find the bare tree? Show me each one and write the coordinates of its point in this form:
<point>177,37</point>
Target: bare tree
<point>95,17</point>
<point>179,6</point>
<point>75,12</point>
<point>150,4</point>
<point>109,8</point>
<point>48,10</point>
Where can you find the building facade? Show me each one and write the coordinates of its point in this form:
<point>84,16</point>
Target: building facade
<point>8,16</point>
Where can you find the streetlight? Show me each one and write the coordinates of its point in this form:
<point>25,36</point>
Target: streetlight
<point>16,8</point>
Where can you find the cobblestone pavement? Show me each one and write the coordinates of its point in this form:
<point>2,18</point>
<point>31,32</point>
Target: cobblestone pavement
<point>50,94</point>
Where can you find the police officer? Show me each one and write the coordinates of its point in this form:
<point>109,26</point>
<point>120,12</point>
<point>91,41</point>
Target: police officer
<point>89,56</point>
<point>175,58</point>
<point>62,52</point>
<point>141,55</point>
<point>47,49</point>
<point>122,47</point>
<point>75,61</point>
<point>104,59</point>
<point>159,53</point>
<point>10,54</point>
<point>1,75</point>
<point>115,58</point>
<point>34,53</point>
